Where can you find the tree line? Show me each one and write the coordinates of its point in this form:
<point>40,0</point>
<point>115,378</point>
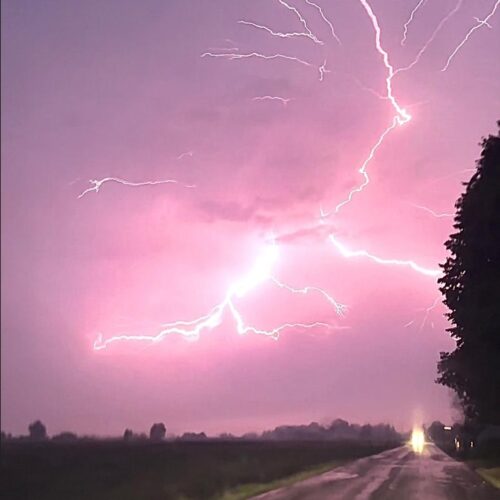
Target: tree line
<point>338,429</point>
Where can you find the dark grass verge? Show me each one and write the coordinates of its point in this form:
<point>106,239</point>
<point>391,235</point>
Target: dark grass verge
<point>490,474</point>
<point>484,459</point>
<point>249,490</point>
<point>486,462</point>
<point>110,470</point>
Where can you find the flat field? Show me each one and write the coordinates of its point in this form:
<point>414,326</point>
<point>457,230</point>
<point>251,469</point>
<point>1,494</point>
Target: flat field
<point>109,470</point>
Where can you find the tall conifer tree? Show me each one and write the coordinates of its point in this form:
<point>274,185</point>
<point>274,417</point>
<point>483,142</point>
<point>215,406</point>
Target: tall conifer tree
<point>471,288</point>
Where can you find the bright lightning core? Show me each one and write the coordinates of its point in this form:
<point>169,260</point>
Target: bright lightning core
<point>260,272</point>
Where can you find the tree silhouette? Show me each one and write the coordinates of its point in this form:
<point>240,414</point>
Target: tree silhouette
<point>436,431</point>
<point>157,432</point>
<point>471,287</point>
<point>65,437</point>
<point>38,431</point>
<point>366,431</point>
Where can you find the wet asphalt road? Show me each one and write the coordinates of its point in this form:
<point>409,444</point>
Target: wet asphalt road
<point>397,474</point>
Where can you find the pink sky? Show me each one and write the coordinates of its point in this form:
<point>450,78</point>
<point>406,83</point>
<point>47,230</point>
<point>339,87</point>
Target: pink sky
<point>118,88</point>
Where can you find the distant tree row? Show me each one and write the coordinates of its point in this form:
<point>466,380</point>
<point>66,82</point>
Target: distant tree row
<point>157,433</point>
<point>37,431</point>
<point>338,430</point>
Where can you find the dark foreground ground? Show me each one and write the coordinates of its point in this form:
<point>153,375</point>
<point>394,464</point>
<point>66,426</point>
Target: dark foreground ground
<point>179,470</point>
<point>397,474</point>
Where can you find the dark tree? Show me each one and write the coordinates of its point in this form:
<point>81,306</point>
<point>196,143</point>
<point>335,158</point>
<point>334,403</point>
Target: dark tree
<point>366,432</point>
<point>128,435</point>
<point>157,432</point>
<point>471,287</point>
<point>436,431</point>
<point>38,431</point>
<point>65,437</point>
<point>340,428</point>
<point>193,436</point>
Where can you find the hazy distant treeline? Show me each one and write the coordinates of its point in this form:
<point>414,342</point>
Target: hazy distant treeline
<point>339,429</point>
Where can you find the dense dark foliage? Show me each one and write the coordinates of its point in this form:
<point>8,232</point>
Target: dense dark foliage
<point>157,432</point>
<point>471,287</point>
<point>128,435</point>
<point>338,429</point>
<point>37,431</point>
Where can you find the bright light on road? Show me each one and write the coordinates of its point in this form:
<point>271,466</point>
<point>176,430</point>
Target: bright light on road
<point>417,440</point>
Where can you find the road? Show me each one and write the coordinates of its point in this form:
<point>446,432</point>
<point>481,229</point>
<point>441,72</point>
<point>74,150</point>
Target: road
<point>398,474</point>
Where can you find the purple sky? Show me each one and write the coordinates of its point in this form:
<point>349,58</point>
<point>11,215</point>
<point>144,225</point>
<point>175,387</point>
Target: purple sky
<point>94,89</point>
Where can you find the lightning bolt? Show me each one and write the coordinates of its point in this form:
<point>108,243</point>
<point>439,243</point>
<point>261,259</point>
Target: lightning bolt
<point>362,86</point>
<point>96,184</point>
<point>232,56</point>
<point>453,174</point>
<point>483,22</point>
<point>431,39</point>
<point>480,24</point>
<point>327,21</point>
<point>362,170</point>
<point>302,21</point>
<point>225,49</point>
<point>283,100</point>
<point>278,33</point>
<point>401,117</point>
<point>210,323</point>
<point>231,48</point>
<point>260,273</point>
<point>437,215</point>
<point>427,311</point>
<point>348,253</point>
<point>306,33</point>
<point>322,70</point>
<point>339,308</point>
<point>187,153</point>
<point>421,3</point>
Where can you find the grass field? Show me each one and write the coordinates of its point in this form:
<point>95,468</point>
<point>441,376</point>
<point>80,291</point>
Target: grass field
<point>490,474</point>
<point>175,470</point>
<point>488,467</point>
<point>249,490</point>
